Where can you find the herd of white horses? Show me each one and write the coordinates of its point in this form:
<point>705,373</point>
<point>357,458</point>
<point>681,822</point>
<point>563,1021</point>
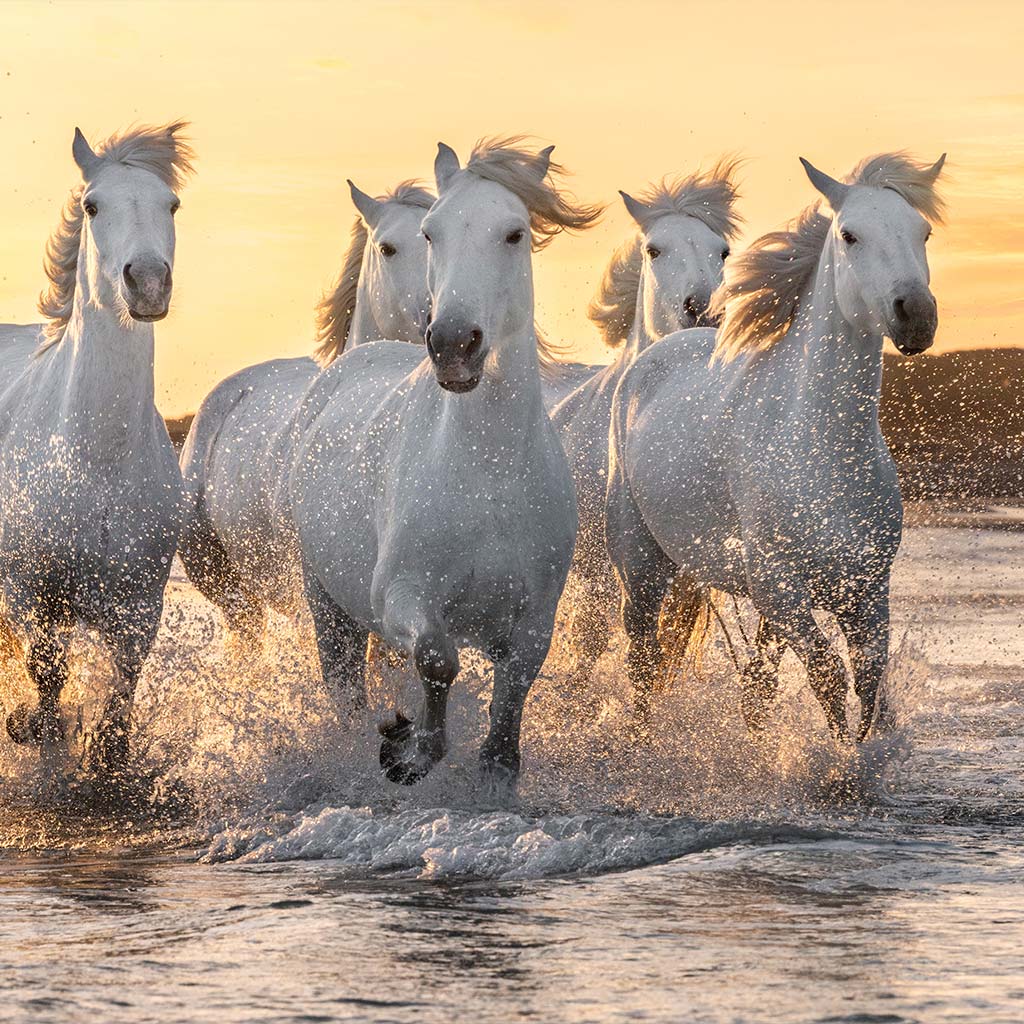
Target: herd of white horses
<point>437,472</point>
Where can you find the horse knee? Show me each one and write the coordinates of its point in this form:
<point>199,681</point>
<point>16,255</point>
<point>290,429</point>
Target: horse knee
<point>437,660</point>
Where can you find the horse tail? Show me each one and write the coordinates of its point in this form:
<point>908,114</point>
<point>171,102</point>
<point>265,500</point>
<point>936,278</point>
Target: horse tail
<point>688,612</point>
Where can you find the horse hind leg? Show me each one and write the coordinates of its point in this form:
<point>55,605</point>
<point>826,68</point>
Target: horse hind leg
<point>588,628</point>
<point>211,571</point>
<point>514,675</point>
<point>341,645</point>
<point>760,681</point>
<point>645,573</point>
<point>410,748</point>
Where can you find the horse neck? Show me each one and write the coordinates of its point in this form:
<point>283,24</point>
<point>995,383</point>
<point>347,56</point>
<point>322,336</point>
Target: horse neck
<point>506,407</point>
<point>828,372</point>
<point>107,377</point>
<point>365,326</point>
<point>639,337</point>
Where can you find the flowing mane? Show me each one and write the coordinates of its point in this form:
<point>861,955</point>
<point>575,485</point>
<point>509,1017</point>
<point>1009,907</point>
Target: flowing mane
<point>760,296</point>
<point>551,209</point>
<point>335,309</point>
<point>159,149</point>
<point>505,161</point>
<point>710,196</point>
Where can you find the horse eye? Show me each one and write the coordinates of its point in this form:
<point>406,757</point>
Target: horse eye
<point>426,238</point>
<point>514,237</point>
<point>725,254</point>
<point>90,208</point>
<point>387,250</point>
<point>653,251</point>
<point>175,206</point>
<point>848,237</point>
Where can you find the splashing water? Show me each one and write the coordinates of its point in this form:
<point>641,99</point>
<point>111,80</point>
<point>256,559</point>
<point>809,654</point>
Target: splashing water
<point>271,773</point>
<point>274,875</point>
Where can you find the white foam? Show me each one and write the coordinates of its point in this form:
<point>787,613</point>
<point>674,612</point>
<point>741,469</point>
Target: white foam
<point>439,843</point>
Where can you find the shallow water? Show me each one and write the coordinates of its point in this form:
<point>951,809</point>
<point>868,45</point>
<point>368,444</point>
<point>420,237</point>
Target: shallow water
<point>704,878</point>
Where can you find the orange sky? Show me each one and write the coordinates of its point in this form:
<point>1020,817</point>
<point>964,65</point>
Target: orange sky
<point>289,99</point>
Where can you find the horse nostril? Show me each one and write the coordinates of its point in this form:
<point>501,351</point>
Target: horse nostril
<point>167,274</point>
<point>427,335</point>
<point>476,339</point>
<point>899,307</point>
<point>128,279</point>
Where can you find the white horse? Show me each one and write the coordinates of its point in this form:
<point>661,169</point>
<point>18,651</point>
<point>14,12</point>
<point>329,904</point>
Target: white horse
<point>92,495</point>
<point>431,497</point>
<point>762,471</point>
<point>234,457</point>
<point>659,282</point>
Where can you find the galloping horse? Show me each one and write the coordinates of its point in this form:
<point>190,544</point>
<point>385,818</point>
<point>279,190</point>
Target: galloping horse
<point>234,457</point>
<point>659,282</point>
<point>431,497</point>
<point>91,492</point>
<point>761,470</point>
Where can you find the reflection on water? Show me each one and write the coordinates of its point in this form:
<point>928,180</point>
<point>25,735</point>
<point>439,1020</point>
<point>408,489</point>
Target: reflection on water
<point>706,880</point>
<point>924,929</point>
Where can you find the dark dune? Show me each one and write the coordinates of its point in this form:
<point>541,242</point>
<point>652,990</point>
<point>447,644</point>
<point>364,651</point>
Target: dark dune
<point>955,423</point>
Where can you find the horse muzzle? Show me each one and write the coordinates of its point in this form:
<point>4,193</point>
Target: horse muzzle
<point>915,319</point>
<point>458,355</point>
<point>146,288</point>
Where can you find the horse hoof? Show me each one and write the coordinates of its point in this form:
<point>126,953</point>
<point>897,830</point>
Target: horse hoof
<point>498,780</point>
<point>25,726</point>
<point>396,735</point>
<point>107,752</point>
<point>405,757</point>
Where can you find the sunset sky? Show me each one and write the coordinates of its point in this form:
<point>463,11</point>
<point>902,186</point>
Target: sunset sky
<point>289,99</point>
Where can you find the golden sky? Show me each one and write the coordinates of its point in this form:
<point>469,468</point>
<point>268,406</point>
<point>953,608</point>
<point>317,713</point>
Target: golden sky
<point>289,99</point>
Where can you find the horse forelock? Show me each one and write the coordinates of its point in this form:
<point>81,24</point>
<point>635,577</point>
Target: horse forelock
<point>507,162</point>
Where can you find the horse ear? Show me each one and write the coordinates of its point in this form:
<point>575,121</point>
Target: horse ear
<point>543,162</point>
<point>83,154</point>
<point>637,210</point>
<point>446,166</point>
<point>834,191</point>
<point>368,207</point>
<point>936,168</point>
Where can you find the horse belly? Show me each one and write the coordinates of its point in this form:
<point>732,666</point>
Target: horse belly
<point>683,494</point>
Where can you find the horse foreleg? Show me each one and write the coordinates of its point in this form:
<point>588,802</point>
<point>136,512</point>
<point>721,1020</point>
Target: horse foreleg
<point>409,749</point>
<point>341,645</point>
<point>826,672</point>
<point>514,674</point>
<point>760,681</point>
<point>47,666</point>
<point>130,633</point>
<point>866,628</point>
